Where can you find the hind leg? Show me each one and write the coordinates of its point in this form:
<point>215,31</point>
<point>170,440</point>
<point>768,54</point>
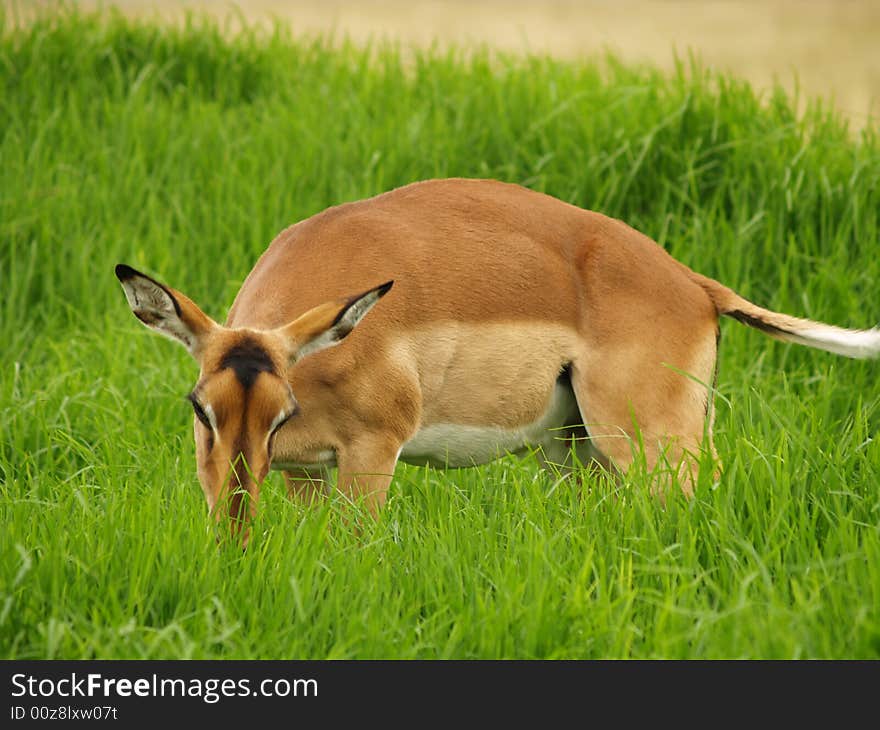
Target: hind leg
<point>633,402</point>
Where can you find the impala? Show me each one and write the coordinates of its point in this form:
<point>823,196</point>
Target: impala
<point>449,322</point>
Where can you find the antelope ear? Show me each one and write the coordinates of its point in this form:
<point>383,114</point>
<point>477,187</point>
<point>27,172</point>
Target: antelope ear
<point>165,310</point>
<point>328,324</point>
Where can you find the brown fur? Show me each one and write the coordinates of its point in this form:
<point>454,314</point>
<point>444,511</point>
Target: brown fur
<point>497,290</point>
<point>472,255</point>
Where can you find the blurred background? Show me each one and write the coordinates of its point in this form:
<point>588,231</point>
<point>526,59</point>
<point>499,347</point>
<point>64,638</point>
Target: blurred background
<point>829,48</point>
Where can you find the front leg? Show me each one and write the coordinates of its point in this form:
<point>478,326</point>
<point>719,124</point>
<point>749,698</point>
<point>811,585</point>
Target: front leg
<point>307,486</point>
<point>366,467</point>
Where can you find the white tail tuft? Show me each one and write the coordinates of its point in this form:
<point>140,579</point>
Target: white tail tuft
<point>850,343</point>
<point>859,344</point>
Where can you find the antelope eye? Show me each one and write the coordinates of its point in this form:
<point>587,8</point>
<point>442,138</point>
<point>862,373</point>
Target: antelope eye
<point>280,422</point>
<point>199,411</point>
<point>282,419</point>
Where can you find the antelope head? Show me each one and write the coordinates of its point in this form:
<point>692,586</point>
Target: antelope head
<point>242,396</point>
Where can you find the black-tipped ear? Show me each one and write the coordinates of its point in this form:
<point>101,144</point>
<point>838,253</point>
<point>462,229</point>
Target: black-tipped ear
<point>328,324</point>
<point>357,306</point>
<point>163,309</point>
<point>125,272</point>
<point>133,281</point>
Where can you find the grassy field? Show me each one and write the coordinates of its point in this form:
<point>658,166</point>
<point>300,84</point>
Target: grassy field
<point>183,152</point>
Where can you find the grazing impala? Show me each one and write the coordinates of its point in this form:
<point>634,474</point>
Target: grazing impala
<point>515,321</point>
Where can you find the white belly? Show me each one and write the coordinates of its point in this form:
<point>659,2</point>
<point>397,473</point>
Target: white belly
<point>456,445</point>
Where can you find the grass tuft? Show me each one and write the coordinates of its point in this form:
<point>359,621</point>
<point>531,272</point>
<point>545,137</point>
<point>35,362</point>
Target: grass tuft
<point>185,150</point>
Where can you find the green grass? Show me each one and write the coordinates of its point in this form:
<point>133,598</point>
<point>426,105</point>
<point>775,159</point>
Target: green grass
<point>184,151</point>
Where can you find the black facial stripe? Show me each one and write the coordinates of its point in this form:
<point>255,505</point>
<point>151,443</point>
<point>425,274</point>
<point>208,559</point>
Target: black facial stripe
<point>247,359</point>
<point>241,469</point>
<point>199,411</point>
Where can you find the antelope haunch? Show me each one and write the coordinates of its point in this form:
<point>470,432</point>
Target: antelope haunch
<point>515,322</point>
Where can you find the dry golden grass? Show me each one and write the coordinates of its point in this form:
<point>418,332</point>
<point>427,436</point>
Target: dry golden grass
<point>829,46</point>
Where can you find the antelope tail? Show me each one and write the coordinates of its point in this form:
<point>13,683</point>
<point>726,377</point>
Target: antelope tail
<point>850,343</point>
